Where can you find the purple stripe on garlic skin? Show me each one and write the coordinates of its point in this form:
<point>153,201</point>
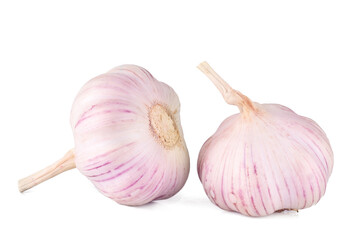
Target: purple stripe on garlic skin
<point>128,138</point>
<point>264,159</point>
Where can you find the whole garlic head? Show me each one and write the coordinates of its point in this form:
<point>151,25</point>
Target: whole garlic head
<point>264,159</point>
<point>128,137</point>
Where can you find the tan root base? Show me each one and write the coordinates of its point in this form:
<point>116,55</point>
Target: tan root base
<point>163,126</point>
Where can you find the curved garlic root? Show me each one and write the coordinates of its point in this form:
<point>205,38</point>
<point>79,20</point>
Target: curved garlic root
<point>65,163</point>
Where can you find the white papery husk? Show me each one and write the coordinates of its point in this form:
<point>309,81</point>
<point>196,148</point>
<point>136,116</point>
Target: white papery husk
<point>266,162</point>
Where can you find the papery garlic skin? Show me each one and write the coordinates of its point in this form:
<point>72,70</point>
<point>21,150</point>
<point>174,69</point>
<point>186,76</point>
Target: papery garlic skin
<point>265,160</point>
<point>128,137</point>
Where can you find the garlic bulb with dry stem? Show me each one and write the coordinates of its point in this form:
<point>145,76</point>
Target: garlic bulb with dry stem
<point>128,138</point>
<point>264,159</point>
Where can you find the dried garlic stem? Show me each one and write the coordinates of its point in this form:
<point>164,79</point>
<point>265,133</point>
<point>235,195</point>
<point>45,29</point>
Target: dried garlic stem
<point>62,165</point>
<point>231,96</point>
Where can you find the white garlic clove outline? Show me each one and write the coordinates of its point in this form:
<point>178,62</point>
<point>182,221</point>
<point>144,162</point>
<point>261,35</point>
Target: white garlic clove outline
<point>128,138</point>
<point>264,159</point>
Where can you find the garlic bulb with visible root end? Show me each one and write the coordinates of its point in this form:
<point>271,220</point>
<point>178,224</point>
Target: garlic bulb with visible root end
<point>128,138</point>
<point>264,159</point>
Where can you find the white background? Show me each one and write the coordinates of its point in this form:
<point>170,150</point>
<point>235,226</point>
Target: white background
<point>296,53</point>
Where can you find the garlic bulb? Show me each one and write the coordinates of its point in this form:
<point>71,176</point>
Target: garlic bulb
<point>264,159</point>
<point>128,138</point>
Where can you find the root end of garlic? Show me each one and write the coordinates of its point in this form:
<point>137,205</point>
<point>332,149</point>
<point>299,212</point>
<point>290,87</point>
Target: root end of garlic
<point>163,126</point>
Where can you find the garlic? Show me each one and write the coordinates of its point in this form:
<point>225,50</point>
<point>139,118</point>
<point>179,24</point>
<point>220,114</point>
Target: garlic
<point>264,159</point>
<point>128,138</point>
